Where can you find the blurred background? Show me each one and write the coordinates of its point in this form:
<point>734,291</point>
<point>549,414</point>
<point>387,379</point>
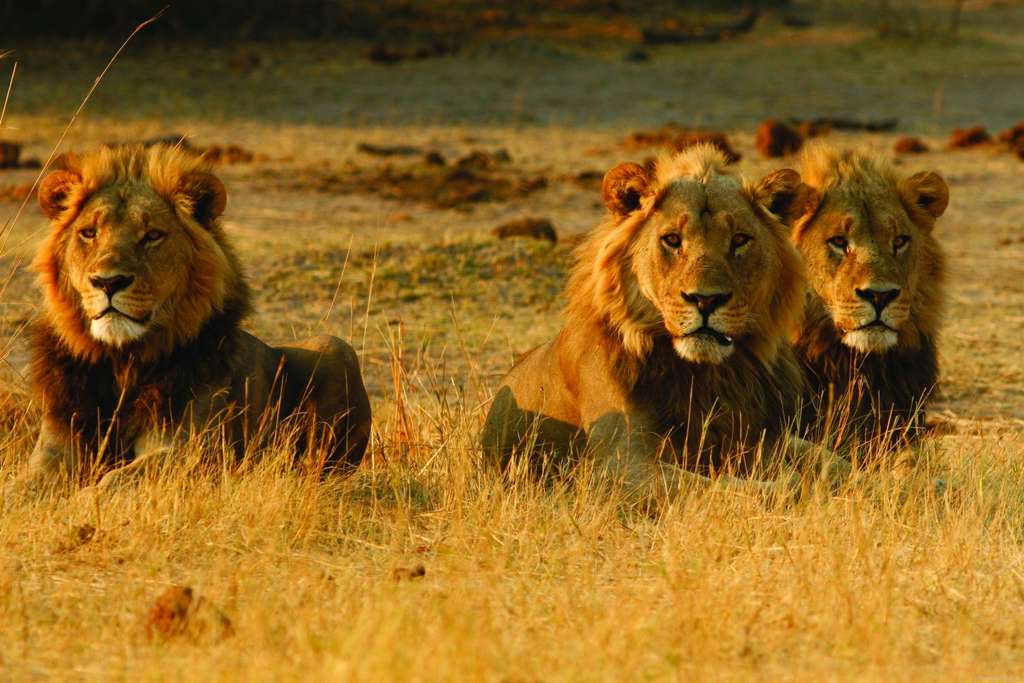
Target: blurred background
<point>452,19</point>
<point>721,62</point>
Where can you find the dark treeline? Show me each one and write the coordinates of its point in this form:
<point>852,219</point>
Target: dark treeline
<point>315,19</point>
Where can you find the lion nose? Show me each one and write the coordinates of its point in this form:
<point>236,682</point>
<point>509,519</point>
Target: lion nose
<point>879,298</point>
<point>707,303</point>
<point>113,284</point>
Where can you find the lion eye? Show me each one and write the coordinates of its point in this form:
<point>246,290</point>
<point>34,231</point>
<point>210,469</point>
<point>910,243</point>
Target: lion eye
<point>671,240</point>
<point>739,240</point>
<point>153,236</point>
<point>87,233</point>
<point>900,242</point>
<point>839,243</point>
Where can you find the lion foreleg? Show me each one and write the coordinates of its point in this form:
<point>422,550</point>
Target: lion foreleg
<point>52,457</point>
<point>630,456</point>
<point>818,461</point>
<point>151,451</point>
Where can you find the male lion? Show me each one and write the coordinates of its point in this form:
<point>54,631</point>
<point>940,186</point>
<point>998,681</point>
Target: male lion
<point>139,345</point>
<point>673,358</point>
<point>874,308</point>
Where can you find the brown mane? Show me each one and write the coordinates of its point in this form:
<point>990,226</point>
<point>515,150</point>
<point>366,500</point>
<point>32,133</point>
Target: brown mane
<point>613,368</point>
<point>216,281</point>
<point>141,395</point>
<point>84,382</point>
<point>602,290</point>
<point>148,249</point>
<point>880,394</point>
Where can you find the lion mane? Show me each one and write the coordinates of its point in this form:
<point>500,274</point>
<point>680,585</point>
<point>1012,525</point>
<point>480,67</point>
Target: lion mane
<point>603,286</point>
<point>187,362</point>
<point>869,393</point>
<point>614,356</point>
<point>182,179</point>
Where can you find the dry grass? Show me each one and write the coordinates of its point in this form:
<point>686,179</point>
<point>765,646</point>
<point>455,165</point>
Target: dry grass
<point>884,580</point>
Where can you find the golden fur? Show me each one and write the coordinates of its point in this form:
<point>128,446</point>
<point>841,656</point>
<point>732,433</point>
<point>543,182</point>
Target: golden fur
<point>876,289</point>
<point>638,367</point>
<point>607,281</point>
<point>139,345</point>
<point>166,189</point>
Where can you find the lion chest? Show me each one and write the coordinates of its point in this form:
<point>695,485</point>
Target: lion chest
<point>872,392</point>
<point>713,416</point>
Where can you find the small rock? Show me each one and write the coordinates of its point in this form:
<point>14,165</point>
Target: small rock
<point>1013,136</point>
<point>638,54</point>
<point>409,574</point>
<point>910,145</point>
<point>1014,139</point>
<point>84,533</point>
<point>962,138</point>
<point>535,228</point>
<point>480,160</point>
<point>389,150</point>
<point>9,154</point>
<point>814,129</point>
<point>178,613</point>
<point>433,158</point>
<point>776,139</point>
<point>677,138</point>
<point>228,154</point>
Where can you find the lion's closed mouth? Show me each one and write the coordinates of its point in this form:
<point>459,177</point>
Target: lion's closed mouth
<point>722,339</point>
<point>110,309</point>
<point>873,325</point>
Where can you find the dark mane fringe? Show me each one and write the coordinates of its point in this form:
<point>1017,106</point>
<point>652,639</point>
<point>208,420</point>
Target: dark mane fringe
<point>751,396</point>
<point>86,394</point>
<point>718,414</point>
<point>878,397</point>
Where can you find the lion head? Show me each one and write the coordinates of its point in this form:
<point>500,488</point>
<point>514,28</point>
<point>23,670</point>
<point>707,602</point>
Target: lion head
<point>135,260</point>
<point>873,264</point>
<point>693,252</point>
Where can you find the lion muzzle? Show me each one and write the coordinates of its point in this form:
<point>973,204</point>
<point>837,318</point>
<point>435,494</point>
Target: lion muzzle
<point>114,325</point>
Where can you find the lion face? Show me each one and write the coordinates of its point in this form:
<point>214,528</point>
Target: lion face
<point>702,260</point>
<point>868,247</point>
<point>135,258</point>
<point>711,263</point>
<point>127,258</point>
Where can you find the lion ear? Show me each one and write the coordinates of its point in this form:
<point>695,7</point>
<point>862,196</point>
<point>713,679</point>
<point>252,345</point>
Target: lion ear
<point>785,194</point>
<point>207,195</point>
<point>623,188</point>
<point>927,191</point>
<point>54,191</point>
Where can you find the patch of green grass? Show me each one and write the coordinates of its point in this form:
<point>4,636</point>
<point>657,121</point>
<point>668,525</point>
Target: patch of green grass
<point>508,273</point>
